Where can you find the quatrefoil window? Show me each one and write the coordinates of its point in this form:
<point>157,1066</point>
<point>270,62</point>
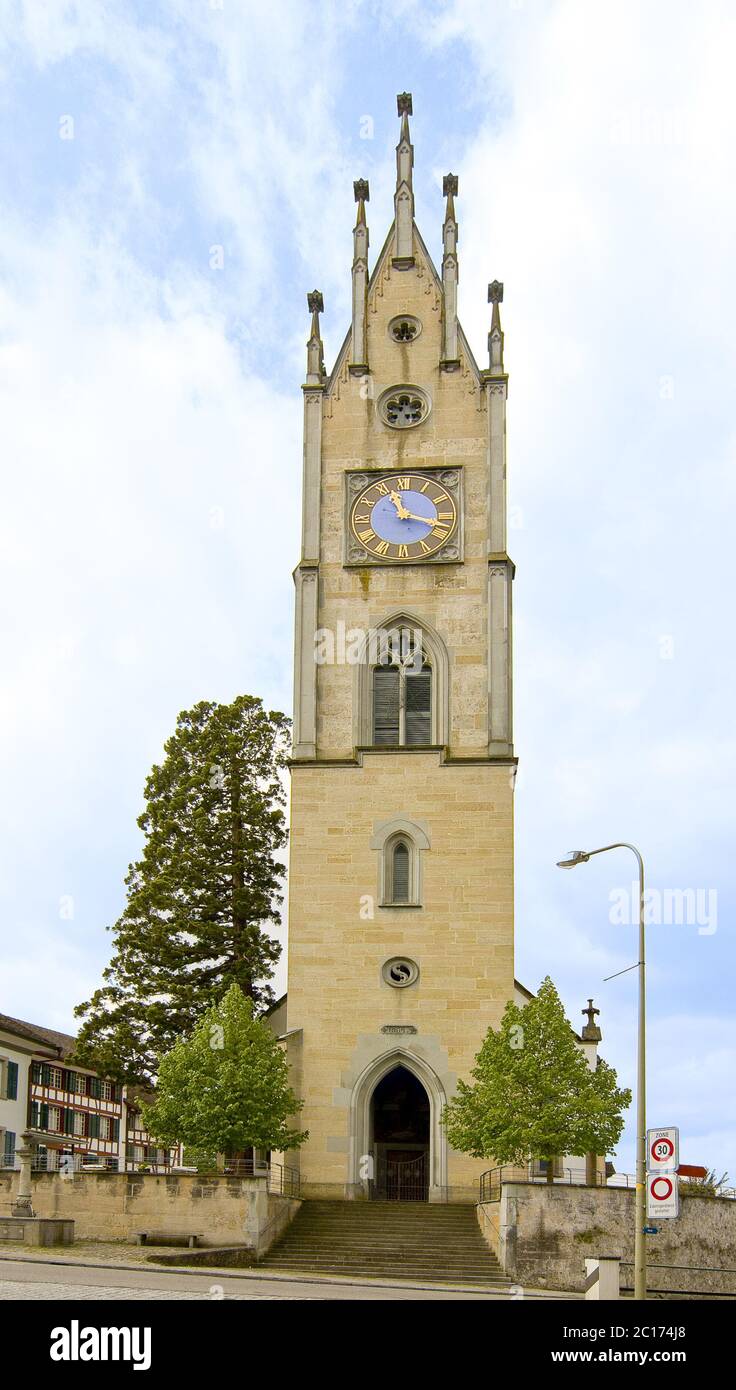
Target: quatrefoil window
<point>403,407</point>
<point>404,328</point>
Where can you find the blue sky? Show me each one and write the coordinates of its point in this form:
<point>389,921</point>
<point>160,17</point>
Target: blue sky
<point>151,409</point>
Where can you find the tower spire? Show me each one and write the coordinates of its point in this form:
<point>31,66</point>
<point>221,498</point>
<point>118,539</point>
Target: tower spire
<point>359,345</point>
<point>404,196</point>
<point>315,350</point>
<point>495,337</point>
<point>449,358</point>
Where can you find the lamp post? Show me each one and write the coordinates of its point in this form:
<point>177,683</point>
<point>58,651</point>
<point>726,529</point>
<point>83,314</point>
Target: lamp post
<point>580,856</point>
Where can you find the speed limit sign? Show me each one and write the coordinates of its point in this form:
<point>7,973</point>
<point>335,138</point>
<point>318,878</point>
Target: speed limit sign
<point>663,1150</point>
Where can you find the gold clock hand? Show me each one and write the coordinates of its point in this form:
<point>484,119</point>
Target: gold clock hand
<point>400,508</point>
<point>412,516</point>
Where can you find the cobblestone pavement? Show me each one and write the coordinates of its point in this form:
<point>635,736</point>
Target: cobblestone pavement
<point>25,1279</point>
<point>95,1293</point>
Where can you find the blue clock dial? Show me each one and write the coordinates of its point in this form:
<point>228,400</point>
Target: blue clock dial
<point>389,521</point>
<point>403,517</point>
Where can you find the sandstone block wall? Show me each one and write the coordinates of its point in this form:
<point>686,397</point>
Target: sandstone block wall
<point>115,1206</point>
<point>545,1234</point>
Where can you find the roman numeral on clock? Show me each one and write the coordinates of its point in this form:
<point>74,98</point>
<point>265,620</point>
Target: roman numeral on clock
<point>403,484</point>
<point>382,548</point>
<point>366,536</point>
<point>403,552</point>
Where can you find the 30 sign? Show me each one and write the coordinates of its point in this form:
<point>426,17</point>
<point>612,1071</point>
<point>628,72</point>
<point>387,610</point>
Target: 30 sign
<point>663,1150</point>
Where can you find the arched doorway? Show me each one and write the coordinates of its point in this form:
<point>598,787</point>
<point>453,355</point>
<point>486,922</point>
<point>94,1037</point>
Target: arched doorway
<point>400,1125</point>
<point>362,1170</point>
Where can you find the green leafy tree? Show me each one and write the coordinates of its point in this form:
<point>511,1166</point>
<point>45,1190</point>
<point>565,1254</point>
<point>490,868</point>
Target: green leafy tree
<point>533,1094</point>
<point>198,898</point>
<point>226,1087</point>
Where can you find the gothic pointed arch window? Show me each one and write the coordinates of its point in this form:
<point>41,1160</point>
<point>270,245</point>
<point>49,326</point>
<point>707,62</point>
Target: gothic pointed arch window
<point>400,843</point>
<point>402,703</point>
<point>402,682</point>
<point>400,871</point>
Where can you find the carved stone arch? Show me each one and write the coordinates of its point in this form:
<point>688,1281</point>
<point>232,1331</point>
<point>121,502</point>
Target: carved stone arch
<point>360,1118</point>
<point>438,657</point>
<point>386,836</point>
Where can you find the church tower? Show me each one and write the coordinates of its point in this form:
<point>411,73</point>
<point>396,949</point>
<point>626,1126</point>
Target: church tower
<point>401,862</point>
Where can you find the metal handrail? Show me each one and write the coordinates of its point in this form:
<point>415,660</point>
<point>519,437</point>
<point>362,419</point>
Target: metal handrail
<point>283,1179</point>
<point>491,1180</point>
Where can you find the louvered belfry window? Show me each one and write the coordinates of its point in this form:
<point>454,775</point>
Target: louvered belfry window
<point>400,873</point>
<point>386,704</point>
<point>418,706</point>
<point>402,705</point>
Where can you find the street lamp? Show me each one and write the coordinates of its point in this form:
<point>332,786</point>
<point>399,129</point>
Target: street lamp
<point>581,856</point>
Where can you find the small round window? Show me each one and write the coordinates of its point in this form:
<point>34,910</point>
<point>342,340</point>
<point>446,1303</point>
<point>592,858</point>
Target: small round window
<point>404,328</point>
<point>399,971</point>
<point>403,407</point>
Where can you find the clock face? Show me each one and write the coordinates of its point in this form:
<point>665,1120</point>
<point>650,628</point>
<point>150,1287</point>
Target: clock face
<point>403,516</point>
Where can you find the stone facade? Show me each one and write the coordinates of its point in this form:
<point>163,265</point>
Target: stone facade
<point>543,1236</point>
<point>116,1206</point>
<point>458,792</point>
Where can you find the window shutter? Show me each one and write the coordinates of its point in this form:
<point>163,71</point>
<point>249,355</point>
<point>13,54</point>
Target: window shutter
<point>70,1081</point>
<point>419,706</point>
<point>400,882</point>
<point>12,1087</point>
<point>95,1087</point>
<point>94,1126</point>
<point>386,705</point>
<point>44,1116</point>
<point>34,1114</point>
<point>115,1127</point>
<point>45,1074</point>
<point>9,1157</point>
<point>36,1072</point>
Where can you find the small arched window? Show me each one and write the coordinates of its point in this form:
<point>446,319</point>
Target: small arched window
<point>400,843</point>
<point>400,872</point>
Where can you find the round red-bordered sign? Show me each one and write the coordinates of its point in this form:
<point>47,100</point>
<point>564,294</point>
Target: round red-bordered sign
<point>669,1149</point>
<point>661,1196</point>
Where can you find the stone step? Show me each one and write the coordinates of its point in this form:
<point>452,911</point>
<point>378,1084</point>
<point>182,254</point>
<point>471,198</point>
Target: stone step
<point>430,1271</point>
<point>386,1256</point>
<point>442,1227</point>
<point>419,1274</point>
<point>433,1211</point>
<point>388,1253</point>
<point>388,1240</point>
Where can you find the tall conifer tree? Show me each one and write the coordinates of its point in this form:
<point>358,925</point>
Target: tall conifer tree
<point>198,898</point>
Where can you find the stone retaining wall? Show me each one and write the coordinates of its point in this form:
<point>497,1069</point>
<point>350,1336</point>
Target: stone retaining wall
<point>545,1233</point>
<point>115,1206</point>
